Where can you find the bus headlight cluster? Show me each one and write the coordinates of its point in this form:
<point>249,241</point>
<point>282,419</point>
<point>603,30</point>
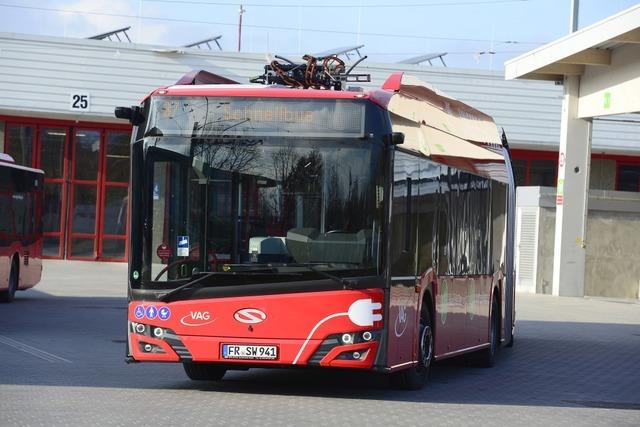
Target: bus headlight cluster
<point>350,338</point>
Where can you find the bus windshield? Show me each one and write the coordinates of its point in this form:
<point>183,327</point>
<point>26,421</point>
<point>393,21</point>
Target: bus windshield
<point>259,186</point>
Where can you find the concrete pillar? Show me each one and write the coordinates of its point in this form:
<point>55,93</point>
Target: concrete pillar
<point>572,195</point>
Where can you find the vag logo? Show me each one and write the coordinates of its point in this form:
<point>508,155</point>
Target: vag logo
<point>197,318</point>
<point>250,315</point>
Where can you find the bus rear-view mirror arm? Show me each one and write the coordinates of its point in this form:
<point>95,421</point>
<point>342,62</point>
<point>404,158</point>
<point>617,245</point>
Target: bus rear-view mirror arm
<point>395,138</point>
<point>132,114</point>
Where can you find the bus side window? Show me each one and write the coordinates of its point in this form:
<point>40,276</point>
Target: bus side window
<point>403,219</point>
<point>444,219</point>
<point>426,208</point>
<point>498,226</point>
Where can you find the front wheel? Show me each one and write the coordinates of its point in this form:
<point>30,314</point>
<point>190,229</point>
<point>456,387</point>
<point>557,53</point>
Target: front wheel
<point>199,371</point>
<point>415,377</point>
<point>7,295</point>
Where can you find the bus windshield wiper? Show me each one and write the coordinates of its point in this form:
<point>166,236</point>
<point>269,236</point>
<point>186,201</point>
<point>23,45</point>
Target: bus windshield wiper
<point>346,283</point>
<point>264,269</point>
<point>189,284</point>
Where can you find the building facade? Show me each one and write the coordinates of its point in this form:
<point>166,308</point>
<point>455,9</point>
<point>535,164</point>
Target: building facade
<point>57,97</point>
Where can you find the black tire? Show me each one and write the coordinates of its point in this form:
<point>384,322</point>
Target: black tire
<point>199,371</point>
<point>8,294</point>
<point>510,343</point>
<point>487,357</point>
<point>416,377</point>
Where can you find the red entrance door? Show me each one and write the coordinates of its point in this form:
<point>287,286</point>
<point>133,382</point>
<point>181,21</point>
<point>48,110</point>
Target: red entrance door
<point>97,226</point>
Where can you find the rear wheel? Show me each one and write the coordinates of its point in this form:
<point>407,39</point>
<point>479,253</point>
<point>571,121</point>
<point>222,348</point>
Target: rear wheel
<point>7,295</point>
<point>486,357</point>
<point>199,371</point>
<point>415,377</point>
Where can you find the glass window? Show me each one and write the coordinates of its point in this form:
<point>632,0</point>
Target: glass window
<point>82,247</point>
<point>112,248</point>
<point>20,144</point>
<point>118,157</point>
<point>629,178</point>
<point>273,201</point>
<point>84,209</point>
<point>51,246</point>
<point>6,225</point>
<point>52,206</point>
<point>543,173</point>
<point>115,210</point>
<point>87,154</point>
<point>52,151</point>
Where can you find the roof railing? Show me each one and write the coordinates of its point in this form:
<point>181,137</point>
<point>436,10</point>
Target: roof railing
<point>114,33</point>
<point>417,60</point>
<point>206,42</point>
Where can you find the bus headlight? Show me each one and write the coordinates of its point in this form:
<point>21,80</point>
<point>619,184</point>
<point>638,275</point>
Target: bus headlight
<point>347,338</point>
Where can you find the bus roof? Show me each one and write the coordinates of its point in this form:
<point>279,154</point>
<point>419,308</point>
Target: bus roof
<point>255,90</point>
<point>435,124</point>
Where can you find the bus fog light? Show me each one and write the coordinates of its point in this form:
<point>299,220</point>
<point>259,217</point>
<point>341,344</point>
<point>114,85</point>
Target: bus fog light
<point>366,336</point>
<point>347,338</point>
<point>158,332</point>
<point>148,347</point>
<point>356,355</point>
<point>140,328</point>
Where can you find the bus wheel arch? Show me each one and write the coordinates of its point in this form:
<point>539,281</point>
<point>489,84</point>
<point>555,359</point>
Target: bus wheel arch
<point>415,377</point>
<point>14,280</point>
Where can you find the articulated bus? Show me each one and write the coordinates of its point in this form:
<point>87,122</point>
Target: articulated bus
<point>278,226</point>
<point>21,198</point>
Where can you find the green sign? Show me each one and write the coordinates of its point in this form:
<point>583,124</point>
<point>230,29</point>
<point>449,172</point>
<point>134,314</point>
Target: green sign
<point>607,100</point>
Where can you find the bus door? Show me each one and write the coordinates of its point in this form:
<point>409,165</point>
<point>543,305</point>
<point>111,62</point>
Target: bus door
<point>403,300</point>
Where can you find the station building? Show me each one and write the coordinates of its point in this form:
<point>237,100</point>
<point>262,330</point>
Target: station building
<point>57,97</point>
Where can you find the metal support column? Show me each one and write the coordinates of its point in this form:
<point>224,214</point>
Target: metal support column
<point>572,195</point>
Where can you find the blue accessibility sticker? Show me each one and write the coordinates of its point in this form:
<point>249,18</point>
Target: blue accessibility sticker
<point>164,313</point>
<point>139,312</point>
<point>183,246</point>
<point>151,312</point>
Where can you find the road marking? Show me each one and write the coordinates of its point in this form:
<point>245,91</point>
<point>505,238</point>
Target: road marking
<point>32,350</point>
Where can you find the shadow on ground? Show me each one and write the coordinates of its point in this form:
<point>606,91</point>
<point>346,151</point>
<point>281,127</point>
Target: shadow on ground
<point>551,364</point>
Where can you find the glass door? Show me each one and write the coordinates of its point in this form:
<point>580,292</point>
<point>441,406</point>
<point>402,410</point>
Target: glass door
<point>85,177</point>
<point>52,143</point>
<point>114,197</point>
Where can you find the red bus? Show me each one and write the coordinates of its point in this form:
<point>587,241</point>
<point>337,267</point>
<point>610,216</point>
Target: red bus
<point>277,226</point>
<point>21,198</point>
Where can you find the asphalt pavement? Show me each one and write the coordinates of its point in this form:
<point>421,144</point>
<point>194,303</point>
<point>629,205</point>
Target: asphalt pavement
<point>576,361</point>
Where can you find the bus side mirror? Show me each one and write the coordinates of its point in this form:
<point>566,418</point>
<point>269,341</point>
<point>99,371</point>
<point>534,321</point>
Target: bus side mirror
<point>134,115</point>
<point>396,138</point>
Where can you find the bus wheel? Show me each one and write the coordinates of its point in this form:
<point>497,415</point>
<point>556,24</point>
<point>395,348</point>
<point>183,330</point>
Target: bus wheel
<point>204,371</point>
<point>416,377</point>
<point>7,296</point>
<point>486,357</point>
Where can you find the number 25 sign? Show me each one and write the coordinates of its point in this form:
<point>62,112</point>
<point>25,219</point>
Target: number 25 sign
<point>79,102</point>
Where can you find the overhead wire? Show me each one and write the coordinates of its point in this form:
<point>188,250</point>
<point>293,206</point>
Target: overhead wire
<point>269,27</point>
<point>341,6</point>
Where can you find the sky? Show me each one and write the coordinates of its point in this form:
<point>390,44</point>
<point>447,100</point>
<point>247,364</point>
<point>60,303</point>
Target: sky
<point>390,30</point>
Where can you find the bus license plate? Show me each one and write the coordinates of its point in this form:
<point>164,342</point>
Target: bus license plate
<point>239,351</point>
